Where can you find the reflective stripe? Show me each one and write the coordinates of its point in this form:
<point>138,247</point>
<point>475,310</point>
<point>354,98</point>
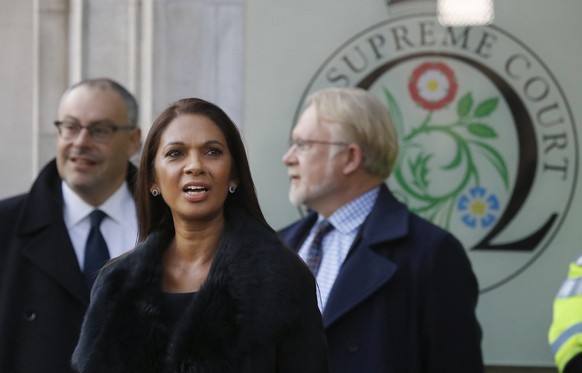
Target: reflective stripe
<point>567,334</point>
<point>570,288</point>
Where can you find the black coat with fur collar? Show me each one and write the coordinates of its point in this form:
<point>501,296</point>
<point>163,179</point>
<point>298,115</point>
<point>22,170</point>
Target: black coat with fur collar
<point>256,312</point>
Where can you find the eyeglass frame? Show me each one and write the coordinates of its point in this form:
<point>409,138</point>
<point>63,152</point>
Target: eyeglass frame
<point>301,145</point>
<point>104,124</point>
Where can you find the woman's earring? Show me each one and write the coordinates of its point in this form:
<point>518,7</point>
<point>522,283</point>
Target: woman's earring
<point>231,189</point>
<point>155,192</point>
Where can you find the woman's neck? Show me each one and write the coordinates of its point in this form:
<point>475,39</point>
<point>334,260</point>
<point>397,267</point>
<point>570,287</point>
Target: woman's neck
<point>188,258</point>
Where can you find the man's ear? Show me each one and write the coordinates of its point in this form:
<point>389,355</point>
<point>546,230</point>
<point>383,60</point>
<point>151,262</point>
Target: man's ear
<point>355,158</point>
<point>134,142</point>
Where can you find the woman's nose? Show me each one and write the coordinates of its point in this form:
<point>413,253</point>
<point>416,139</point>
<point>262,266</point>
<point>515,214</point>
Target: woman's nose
<point>193,165</point>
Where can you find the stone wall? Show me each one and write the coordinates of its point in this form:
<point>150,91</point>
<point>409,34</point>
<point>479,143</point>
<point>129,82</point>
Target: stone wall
<point>162,50</point>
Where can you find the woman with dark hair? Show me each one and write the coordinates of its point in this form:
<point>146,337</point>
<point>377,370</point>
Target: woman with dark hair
<point>209,288</point>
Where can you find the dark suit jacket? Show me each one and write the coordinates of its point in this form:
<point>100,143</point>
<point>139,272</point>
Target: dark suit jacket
<point>43,295</point>
<point>404,299</point>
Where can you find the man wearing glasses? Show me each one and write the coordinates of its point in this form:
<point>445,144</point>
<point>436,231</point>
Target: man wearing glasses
<point>79,213</point>
<point>397,293</point>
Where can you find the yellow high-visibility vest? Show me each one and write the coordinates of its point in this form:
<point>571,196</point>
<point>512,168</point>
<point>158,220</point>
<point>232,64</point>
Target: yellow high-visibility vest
<point>565,334</point>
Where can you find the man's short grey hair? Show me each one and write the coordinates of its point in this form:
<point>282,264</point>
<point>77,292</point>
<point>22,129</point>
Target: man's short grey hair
<point>359,117</point>
<point>130,101</point>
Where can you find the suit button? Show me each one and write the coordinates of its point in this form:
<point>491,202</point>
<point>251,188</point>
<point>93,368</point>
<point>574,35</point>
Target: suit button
<point>353,345</point>
<point>29,315</point>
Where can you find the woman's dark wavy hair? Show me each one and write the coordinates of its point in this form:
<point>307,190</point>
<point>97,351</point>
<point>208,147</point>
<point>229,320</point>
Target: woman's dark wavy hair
<point>152,212</point>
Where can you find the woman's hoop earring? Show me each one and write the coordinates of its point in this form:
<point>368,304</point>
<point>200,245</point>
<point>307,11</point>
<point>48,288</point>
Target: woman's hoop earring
<point>155,192</point>
<point>231,189</point>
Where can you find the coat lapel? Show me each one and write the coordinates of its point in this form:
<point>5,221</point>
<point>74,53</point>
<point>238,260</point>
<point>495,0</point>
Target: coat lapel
<point>361,275</point>
<point>365,270</point>
<point>46,242</point>
<point>294,235</point>
<point>52,252</point>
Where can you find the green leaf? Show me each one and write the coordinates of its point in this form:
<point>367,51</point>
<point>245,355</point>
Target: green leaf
<point>419,170</point>
<point>410,165</point>
<point>464,106</point>
<point>395,113</point>
<point>423,173</point>
<point>481,130</point>
<point>486,107</point>
<point>495,159</point>
<point>456,161</point>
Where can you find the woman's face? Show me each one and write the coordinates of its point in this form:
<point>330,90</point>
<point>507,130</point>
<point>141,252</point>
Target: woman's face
<point>193,168</point>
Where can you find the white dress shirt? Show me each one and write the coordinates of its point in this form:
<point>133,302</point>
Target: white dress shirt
<point>119,227</point>
<point>337,243</point>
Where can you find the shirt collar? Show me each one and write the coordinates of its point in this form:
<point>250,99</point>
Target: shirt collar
<point>76,209</point>
<point>350,216</point>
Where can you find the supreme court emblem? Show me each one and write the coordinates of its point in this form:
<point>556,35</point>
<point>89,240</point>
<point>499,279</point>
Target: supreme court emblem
<point>488,143</point>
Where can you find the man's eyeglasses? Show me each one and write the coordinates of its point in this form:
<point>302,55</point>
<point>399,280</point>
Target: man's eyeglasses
<point>99,132</point>
<point>303,145</point>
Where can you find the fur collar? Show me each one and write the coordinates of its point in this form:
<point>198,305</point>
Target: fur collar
<point>250,297</point>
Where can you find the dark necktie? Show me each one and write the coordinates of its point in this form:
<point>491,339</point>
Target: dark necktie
<point>315,253</point>
<point>96,253</point>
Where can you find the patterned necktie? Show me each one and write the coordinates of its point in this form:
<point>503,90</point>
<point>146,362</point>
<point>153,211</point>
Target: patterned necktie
<point>96,253</point>
<point>315,253</point>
